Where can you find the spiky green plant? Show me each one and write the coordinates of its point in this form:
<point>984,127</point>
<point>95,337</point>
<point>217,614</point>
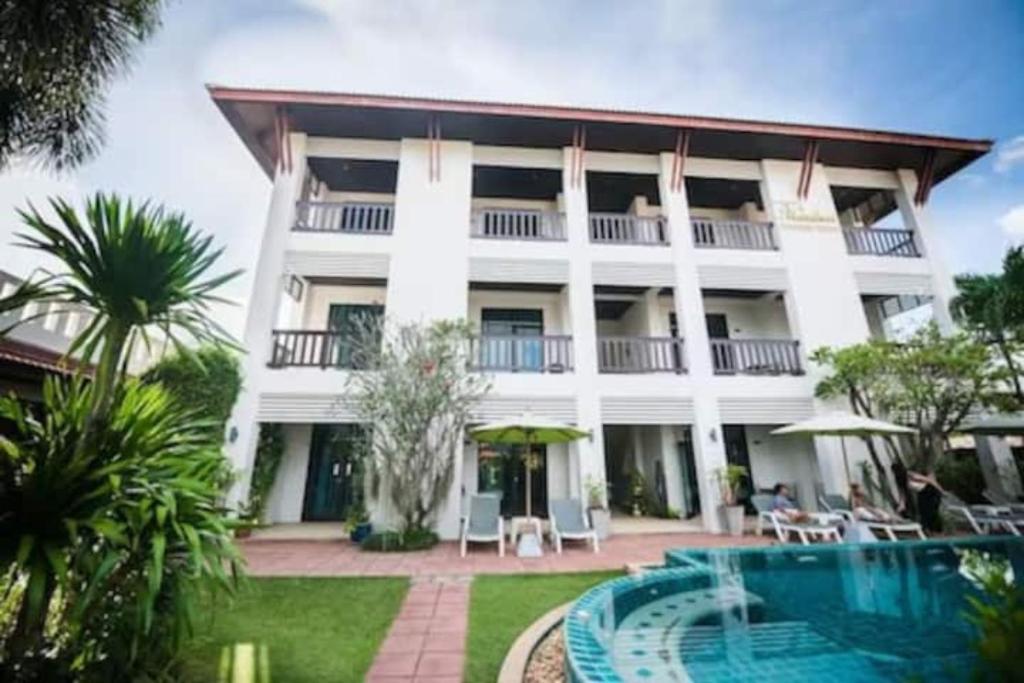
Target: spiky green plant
<point>136,268</point>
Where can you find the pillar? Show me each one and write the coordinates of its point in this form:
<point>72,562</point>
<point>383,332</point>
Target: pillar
<point>709,450</point>
<point>267,284</point>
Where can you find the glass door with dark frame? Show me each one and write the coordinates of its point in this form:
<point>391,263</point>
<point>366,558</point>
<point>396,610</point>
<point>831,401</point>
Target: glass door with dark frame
<point>723,358</point>
<point>333,477</point>
<point>501,347</point>
<point>734,437</point>
<point>501,470</point>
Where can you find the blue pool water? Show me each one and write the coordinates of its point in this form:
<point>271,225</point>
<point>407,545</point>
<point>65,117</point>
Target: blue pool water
<point>844,613</point>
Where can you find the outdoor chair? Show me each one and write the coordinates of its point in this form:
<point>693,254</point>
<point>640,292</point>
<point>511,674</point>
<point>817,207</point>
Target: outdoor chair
<point>569,522</point>
<point>999,499</point>
<point>825,527</point>
<point>484,523</point>
<point>835,503</point>
<point>985,519</point>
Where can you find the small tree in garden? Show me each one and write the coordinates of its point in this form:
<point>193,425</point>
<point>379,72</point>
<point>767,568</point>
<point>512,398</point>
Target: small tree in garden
<point>415,393</point>
<point>931,383</point>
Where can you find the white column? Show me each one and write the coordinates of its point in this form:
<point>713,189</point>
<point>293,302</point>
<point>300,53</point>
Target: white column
<point>428,278</point>
<point>915,218</point>
<point>709,451</point>
<point>823,302</point>
<point>267,284</point>
<point>672,466</point>
<point>587,454</point>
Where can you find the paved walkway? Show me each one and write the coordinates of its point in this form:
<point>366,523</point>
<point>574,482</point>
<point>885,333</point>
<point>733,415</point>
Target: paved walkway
<point>341,558</point>
<point>427,640</point>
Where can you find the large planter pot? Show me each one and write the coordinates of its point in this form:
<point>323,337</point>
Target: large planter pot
<point>601,522</point>
<point>359,532</point>
<point>733,517</point>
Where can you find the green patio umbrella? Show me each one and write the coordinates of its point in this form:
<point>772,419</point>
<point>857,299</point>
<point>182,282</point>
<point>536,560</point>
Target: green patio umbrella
<point>527,430</point>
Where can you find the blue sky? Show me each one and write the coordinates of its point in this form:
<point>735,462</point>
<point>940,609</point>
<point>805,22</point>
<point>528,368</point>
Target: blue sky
<point>943,67</point>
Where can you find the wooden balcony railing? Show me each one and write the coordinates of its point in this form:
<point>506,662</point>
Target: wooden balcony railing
<point>733,234</point>
<point>880,242</point>
<point>640,354</point>
<point>621,228</point>
<point>755,357</point>
<point>518,224</point>
<point>360,218</point>
<point>312,348</point>
<point>501,353</point>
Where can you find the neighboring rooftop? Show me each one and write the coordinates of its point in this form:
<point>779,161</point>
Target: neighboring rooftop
<point>252,113</point>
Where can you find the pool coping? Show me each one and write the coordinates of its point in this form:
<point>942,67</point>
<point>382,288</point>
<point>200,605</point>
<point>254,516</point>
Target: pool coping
<point>513,668</point>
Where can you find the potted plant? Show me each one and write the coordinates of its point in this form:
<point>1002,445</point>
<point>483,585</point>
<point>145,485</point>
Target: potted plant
<point>357,522</point>
<point>731,480</point>
<point>600,517</point>
<point>637,493</point>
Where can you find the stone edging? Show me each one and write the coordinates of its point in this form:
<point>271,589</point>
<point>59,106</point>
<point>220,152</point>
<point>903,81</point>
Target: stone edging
<point>513,669</point>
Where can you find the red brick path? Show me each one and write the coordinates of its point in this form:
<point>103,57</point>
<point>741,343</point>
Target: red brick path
<point>427,641</point>
<point>341,558</point>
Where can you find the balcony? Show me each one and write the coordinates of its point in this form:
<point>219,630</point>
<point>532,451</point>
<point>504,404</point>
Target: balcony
<point>755,357</point>
<point>733,234</point>
<point>357,218</point>
<point>628,355</point>
<point>622,228</point>
<point>311,348</point>
<point>516,353</point>
<point>518,224</point>
<point>880,242</point>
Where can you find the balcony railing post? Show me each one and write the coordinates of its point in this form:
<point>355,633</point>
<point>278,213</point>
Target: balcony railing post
<point>360,218</point>
<point>880,242</point>
<point>755,356</point>
<point>733,234</point>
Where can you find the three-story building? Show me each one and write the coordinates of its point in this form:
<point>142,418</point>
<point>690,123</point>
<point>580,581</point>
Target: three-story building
<point>658,280</point>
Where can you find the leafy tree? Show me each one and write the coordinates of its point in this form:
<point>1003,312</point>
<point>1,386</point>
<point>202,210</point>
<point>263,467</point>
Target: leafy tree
<point>992,307</point>
<point>269,454</point>
<point>931,382</point>
<point>207,380</point>
<point>56,59</point>
<point>416,396</point>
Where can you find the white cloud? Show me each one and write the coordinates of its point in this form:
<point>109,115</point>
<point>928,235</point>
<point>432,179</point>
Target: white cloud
<point>1012,222</point>
<point>1010,154</point>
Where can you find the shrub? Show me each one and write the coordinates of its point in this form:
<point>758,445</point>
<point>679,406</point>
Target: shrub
<point>962,475</point>
<point>207,382</point>
<point>398,542</point>
<point>269,453</point>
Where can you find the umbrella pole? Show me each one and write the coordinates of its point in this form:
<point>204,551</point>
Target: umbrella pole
<point>846,462</point>
<point>529,477</point>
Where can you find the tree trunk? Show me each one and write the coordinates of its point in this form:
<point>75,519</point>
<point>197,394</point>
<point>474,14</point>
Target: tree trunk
<point>1012,366</point>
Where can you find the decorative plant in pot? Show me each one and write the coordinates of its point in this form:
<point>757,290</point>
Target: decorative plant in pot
<point>357,523</point>
<point>731,480</point>
<point>600,517</point>
<point>637,493</point>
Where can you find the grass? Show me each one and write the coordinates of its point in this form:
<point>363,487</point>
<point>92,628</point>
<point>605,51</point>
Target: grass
<point>501,607</point>
<point>295,630</point>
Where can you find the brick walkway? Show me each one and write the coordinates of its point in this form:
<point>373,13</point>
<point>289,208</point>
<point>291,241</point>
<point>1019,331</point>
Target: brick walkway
<point>341,558</point>
<point>427,640</point>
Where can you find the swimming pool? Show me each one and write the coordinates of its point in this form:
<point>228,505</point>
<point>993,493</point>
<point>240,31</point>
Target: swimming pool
<point>843,613</point>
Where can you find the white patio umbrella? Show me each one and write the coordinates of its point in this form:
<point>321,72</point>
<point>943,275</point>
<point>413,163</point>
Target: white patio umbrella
<point>843,424</point>
<point>527,430</point>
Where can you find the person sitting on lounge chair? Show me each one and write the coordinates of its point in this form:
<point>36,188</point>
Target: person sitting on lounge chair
<point>784,505</point>
<point>863,509</point>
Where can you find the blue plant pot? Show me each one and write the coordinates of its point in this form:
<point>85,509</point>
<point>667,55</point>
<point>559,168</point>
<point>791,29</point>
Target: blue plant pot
<point>360,532</point>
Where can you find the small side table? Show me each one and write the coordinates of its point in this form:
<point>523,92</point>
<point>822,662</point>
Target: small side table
<point>529,545</point>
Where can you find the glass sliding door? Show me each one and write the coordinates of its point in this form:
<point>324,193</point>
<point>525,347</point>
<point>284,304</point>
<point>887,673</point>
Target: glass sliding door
<point>511,339</point>
<point>501,471</point>
<point>346,320</point>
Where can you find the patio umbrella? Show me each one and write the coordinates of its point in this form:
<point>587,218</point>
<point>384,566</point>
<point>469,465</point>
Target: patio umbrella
<point>842,425</point>
<point>527,430</point>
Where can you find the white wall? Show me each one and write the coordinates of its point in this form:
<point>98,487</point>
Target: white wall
<point>761,318</point>
<point>785,459</point>
<point>320,297</point>
<point>289,490</point>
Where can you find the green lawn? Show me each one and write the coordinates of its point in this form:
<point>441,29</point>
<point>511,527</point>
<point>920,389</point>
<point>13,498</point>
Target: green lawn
<point>296,630</point>
<point>501,607</point>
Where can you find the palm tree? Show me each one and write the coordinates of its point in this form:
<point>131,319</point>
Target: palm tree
<point>58,57</point>
<point>992,306</point>
<point>136,268</point>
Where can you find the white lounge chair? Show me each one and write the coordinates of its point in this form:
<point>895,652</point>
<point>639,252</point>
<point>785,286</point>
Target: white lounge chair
<point>569,522</point>
<point>825,527</point>
<point>835,503</point>
<point>985,519</point>
<point>762,502</point>
<point>484,523</point>
<point>1001,500</point>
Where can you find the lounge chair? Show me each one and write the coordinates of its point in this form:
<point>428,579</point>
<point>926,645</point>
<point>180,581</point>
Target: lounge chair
<point>825,527</point>
<point>1000,499</point>
<point>835,503</point>
<point>484,523</point>
<point>569,522</point>
<point>985,519</point>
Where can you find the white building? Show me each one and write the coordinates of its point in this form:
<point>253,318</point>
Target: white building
<point>659,280</point>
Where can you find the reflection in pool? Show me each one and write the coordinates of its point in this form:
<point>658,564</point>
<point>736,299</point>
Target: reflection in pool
<point>878,612</point>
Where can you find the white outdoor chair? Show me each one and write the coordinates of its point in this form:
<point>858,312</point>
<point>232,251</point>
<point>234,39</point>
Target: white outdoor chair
<point>484,523</point>
<point>836,504</point>
<point>985,519</point>
<point>762,502</point>
<point>1001,500</point>
<point>826,528</point>
<point>569,522</point>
